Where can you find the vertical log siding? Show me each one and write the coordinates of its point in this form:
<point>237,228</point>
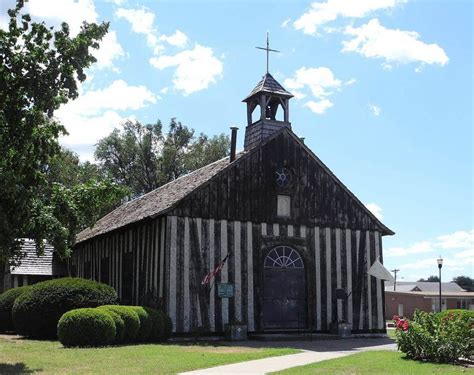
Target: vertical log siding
<point>170,255</point>
<point>140,249</point>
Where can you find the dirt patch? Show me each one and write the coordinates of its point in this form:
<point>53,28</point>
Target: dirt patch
<point>11,337</point>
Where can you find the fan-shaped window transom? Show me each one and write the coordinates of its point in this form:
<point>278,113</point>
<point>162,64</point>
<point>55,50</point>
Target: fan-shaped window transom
<point>283,257</point>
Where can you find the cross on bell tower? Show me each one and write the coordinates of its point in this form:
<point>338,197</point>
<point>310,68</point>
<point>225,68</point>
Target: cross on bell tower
<point>270,96</point>
<point>268,50</point>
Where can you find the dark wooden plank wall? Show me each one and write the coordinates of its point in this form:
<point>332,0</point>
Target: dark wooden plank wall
<point>333,258</point>
<point>142,245</point>
<point>248,192</point>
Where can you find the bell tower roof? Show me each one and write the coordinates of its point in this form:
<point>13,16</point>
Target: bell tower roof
<point>269,96</point>
<point>269,85</point>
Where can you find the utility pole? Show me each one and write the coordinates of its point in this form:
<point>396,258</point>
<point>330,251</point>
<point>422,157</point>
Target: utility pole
<point>395,282</point>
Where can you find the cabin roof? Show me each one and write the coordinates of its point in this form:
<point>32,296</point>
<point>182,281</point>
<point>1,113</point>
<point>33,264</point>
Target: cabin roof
<point>164,198</point>
<point>32,264</point>
<point>155,202</point>
<point>270,85</point>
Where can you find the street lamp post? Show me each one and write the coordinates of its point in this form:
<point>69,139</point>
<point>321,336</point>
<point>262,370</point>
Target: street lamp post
<point>440,265</point>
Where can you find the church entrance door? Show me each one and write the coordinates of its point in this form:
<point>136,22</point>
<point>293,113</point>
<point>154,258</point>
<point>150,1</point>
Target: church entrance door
<point>284,293</point>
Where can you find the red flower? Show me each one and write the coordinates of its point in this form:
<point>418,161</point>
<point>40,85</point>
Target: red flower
<point>396,318</point>
<point>405,325</point>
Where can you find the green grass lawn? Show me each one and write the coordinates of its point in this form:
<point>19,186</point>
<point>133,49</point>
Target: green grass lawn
<point>377,362</point>
<point>30,356</point>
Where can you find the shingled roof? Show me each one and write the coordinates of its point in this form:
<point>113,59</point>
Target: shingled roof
<point>269,85</point>
<point>32,264</point>
<point>164,198</point>
<point>155,202</point>
<point>424,286</point>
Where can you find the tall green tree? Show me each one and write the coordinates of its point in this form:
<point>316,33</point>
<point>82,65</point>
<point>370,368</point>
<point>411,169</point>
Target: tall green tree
<point>465,282</point>
<point>66,168</point>
<point>39,70</point>
<point>142,158</point>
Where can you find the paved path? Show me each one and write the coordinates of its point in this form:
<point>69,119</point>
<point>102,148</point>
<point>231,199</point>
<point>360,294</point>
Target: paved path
<point>311,352</point>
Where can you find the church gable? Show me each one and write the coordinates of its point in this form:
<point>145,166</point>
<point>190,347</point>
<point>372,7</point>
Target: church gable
<point>278,176</point>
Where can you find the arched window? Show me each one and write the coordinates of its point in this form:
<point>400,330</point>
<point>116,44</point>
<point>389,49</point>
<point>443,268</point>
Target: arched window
<point>283,257</point>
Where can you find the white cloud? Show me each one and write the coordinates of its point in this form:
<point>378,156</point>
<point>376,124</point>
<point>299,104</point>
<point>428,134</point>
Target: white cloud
<point>285,23</point>
<point>319,107</point>
<point>178,39</point>
<point>319,82</point>
<point>142,22</point>
<point>457,240</point>
<point>196,68</point>
<point>460,241</point>
<point>350,82</point>
<point>375,110</point>
<point>395,46</point>
<point>87,130</point>
<point>73,12</point>
<point>321,13</point>
<point>417,248</point>
<point>448,263</point>
<point>375,209</point>
<point>110,50</point>
<point>466,255</point>
<point>96,112</point>
<point>117,96</point>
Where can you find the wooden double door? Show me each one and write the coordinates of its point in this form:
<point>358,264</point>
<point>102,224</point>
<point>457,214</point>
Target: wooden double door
<point>284,294</point>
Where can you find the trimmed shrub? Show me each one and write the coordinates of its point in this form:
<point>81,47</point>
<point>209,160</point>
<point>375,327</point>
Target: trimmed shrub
<point>130,319</point>
<point>146,323</point>
<point>119,325</point>
<point>37,311</point>
<point>86,327</point>
<point>464,314</point>
<point>7,299</point>
<point>162,325</point>
<point>445,337</point>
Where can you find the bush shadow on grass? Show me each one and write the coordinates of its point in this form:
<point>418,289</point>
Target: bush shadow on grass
<point>466,363</point>
<point>16,368</point>
<point>325,345</point>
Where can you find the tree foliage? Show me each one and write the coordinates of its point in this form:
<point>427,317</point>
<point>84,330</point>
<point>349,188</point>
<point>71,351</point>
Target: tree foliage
<point>465,282</point>
<point>431,278</point>
<point>143,158</point>
<point>39,71</point>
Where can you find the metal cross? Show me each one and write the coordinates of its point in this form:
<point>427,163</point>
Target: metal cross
<point>268,50</point>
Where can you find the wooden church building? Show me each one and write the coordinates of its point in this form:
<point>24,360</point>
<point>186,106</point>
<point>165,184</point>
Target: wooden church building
<point>299,243</point>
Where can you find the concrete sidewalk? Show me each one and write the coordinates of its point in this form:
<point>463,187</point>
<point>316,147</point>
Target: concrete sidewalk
<point>308,355</point>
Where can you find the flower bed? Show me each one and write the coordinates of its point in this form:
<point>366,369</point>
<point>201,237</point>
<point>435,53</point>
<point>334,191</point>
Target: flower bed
<point>446,337</point>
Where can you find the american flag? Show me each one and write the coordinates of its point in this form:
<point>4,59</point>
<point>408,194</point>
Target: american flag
<point>207,279</point>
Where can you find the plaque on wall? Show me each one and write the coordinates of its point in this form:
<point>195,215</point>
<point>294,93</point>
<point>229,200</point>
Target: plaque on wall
<point>225,290</point>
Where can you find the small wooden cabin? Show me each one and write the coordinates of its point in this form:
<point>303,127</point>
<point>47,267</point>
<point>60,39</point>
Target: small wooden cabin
<point>299,242</point>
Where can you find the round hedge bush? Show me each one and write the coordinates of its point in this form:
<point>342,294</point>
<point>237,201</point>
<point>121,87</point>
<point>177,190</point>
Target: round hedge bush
<point>130,319</point>
<point>119,325</point>
<point>86,327</point>
<point>162,325</point>
<point>7,299</point>
<point>146,323</point>
<point>37,311</point>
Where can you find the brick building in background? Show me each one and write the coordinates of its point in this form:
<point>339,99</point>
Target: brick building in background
<point>409,296</point>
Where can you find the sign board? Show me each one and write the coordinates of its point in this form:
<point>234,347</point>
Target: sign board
<point>225,290</point>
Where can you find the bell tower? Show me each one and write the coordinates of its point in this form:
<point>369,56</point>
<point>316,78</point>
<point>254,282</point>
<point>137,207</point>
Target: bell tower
<point>274,111</point>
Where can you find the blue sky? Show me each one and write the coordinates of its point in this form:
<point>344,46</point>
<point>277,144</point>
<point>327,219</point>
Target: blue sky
<point>383,95</point>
